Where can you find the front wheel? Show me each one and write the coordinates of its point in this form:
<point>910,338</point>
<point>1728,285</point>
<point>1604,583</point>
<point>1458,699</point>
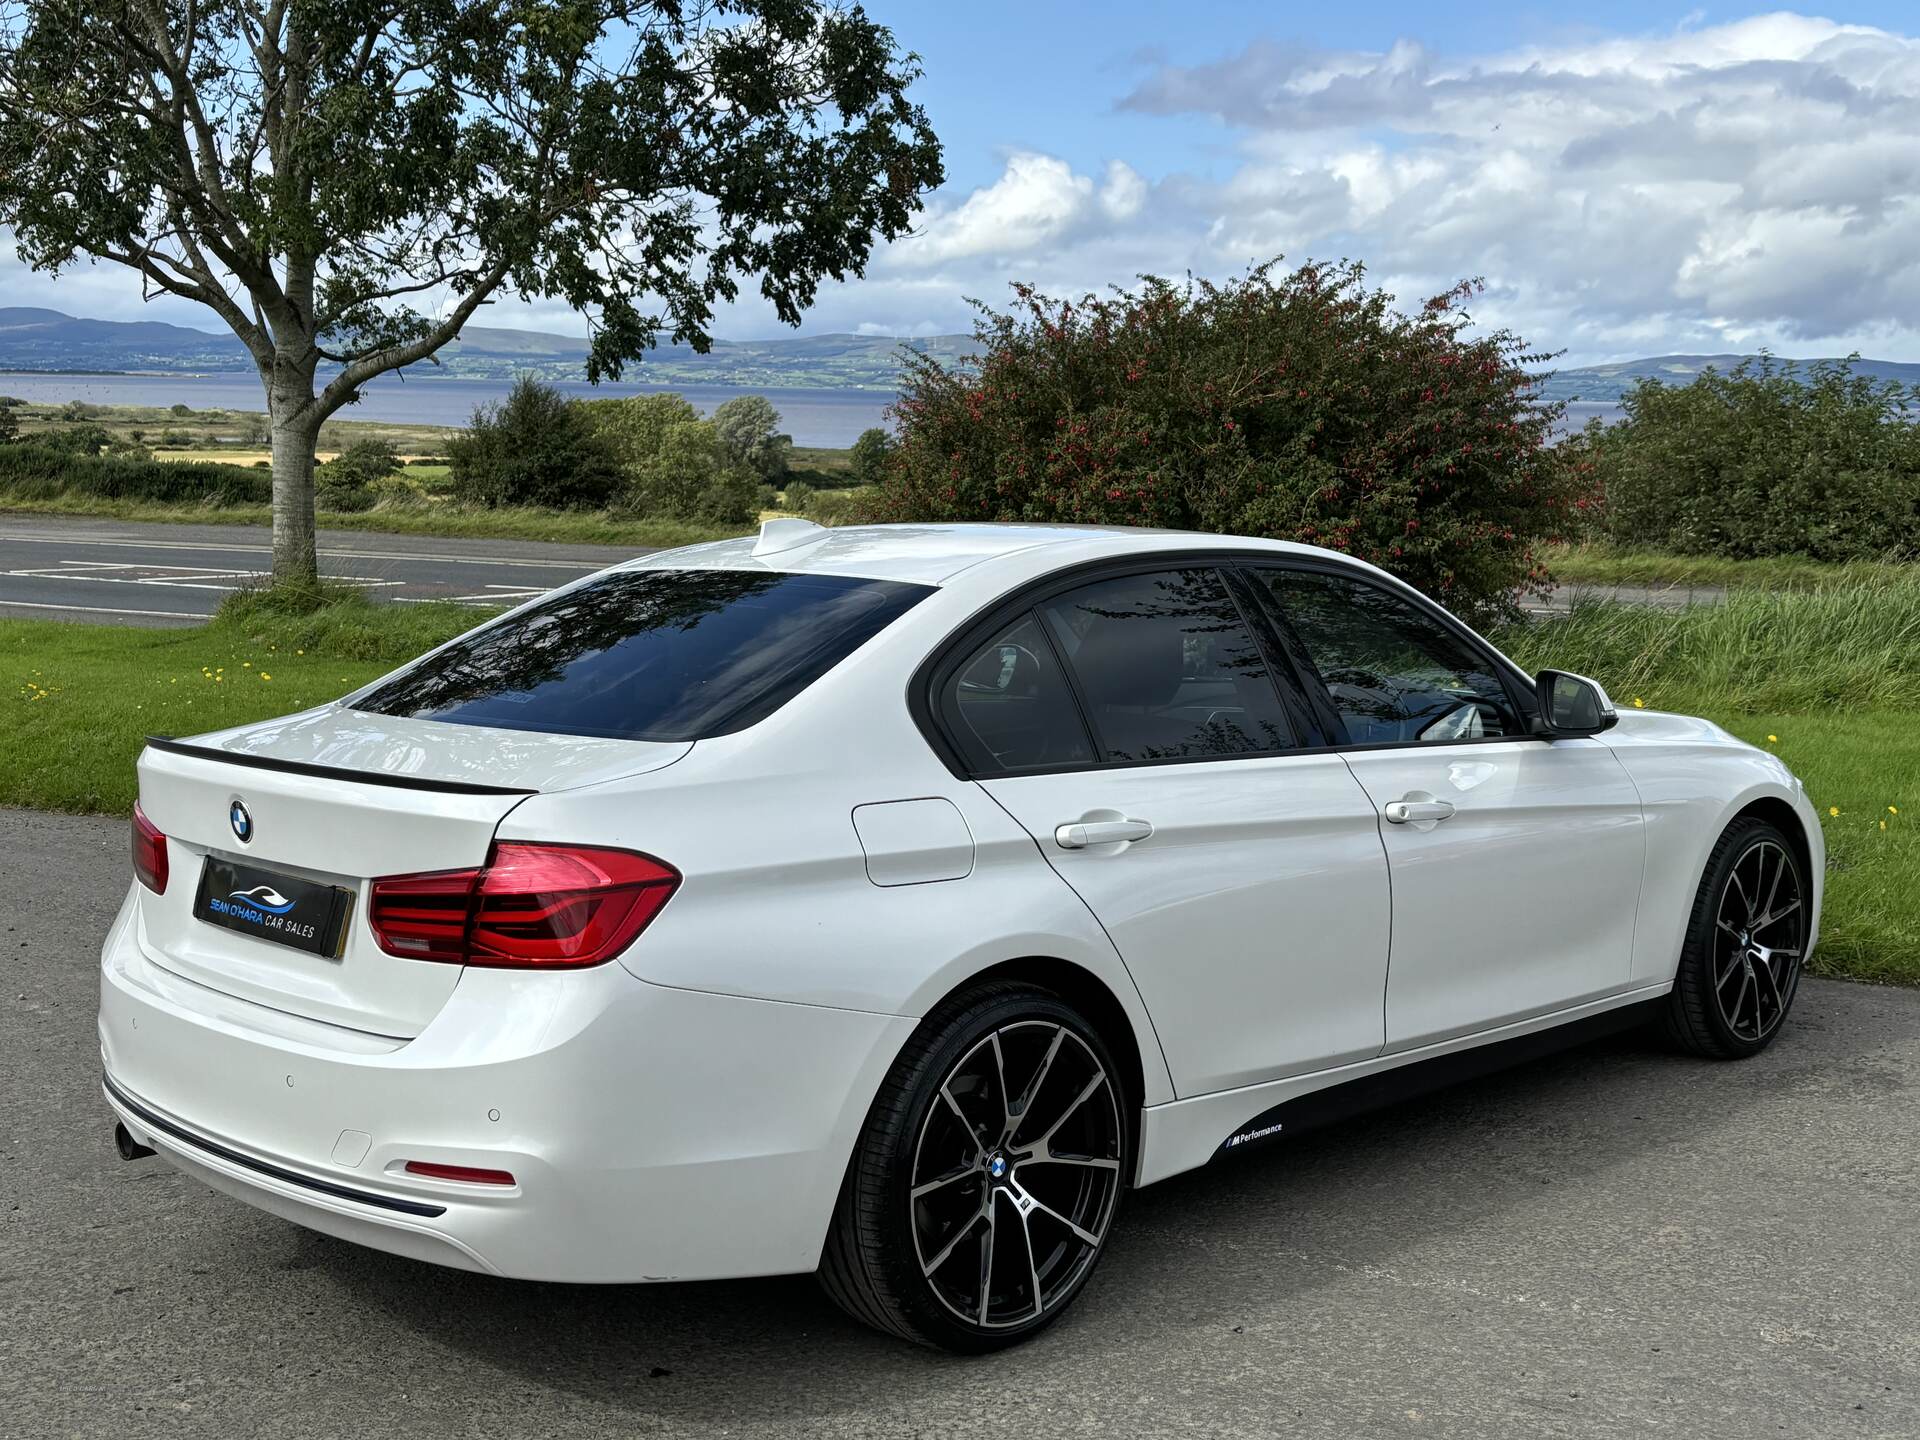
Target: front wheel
<point>1746,942</point>
<point>984,1186</point>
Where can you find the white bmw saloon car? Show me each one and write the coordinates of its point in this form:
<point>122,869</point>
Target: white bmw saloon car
<point>889,901</point>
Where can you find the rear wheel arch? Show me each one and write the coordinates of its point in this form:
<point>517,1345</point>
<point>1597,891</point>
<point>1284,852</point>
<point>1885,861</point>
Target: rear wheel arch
<point>1092,997</point>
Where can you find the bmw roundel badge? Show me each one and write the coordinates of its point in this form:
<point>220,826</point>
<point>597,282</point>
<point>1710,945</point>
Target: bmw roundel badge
<point>241,821</point>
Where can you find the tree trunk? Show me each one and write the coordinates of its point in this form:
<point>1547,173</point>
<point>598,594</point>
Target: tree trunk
<point>295,562</point>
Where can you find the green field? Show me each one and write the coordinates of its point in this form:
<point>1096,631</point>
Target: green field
<point>1827,679</point>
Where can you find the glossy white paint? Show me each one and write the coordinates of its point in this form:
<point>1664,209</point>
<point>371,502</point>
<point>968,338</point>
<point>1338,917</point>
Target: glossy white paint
<point>1254,919</point>
<point>1272,935</point>
<point>1521,900</point>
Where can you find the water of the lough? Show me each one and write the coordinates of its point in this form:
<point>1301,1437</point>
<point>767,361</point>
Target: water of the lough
<point>811,416</point>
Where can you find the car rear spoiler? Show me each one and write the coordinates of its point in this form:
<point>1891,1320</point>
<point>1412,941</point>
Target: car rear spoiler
<point>331,772</point>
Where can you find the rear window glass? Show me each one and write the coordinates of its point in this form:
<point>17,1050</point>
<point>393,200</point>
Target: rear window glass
<point>649,654</point>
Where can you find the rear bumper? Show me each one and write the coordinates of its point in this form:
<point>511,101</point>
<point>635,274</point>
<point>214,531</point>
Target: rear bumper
<point>652,1133</point>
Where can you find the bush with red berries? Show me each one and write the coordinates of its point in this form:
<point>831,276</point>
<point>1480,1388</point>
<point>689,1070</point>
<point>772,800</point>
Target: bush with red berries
<point>1301,405</point>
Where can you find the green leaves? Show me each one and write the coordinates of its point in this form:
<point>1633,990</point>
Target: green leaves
<point>1301,405</point>
<point>1767,458</point>
<point>363,167</point>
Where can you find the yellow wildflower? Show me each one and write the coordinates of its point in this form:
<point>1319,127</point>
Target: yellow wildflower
<point>265,676</point>
<point>1893,809</point>
<point>1773,739</point>
<point>1638,703</point>
<point>1833,810</point>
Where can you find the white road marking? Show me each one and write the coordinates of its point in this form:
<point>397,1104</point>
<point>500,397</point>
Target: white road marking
<point>177,577</point>
<point>583,566</point>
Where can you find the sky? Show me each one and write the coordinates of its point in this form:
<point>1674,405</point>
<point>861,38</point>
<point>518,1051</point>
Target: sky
<point>1639,179</point>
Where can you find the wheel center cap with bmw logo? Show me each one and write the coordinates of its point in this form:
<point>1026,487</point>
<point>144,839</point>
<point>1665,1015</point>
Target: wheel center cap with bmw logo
<point>997,1167</point>
<point>241,820</point>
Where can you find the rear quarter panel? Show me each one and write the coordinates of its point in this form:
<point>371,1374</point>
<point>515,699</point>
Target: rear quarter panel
<point>1694,779</point>
<point>778,902</point>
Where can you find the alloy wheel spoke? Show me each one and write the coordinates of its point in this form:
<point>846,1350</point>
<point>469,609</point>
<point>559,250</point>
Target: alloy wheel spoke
<point>1043,1208</point>
<point>1032,1091</point>
<point>1045,1142</point>
<point>960,1234</point>
<point>965,1124</point>
<point>986,1259</point>
<point>1000,1074</point>
<point>1086,1162</point>
<point>1774,889</point>
<point>1733,969</point>
<point>1774,918</point>
<point>968,1172</point>
<point>1773,985</point>
<point>1740,1000</point>
<point>1733,879</point>
<point>1033,1263</point>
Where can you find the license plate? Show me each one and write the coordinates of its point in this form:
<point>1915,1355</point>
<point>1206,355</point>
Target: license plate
<point>281,909</point>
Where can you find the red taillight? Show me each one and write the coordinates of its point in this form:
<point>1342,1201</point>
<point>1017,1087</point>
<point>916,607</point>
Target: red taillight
<point>531,907</point>
<point>473,1175</point>
<point>149,852</point>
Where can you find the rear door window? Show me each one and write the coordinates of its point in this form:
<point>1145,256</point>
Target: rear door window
<point>649,654</point>
<point>1168,668</point>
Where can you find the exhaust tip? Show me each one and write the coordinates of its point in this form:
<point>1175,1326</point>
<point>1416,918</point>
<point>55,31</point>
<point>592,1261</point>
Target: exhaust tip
<point>129,1148</point>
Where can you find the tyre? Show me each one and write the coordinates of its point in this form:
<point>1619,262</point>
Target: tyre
<point>982,1191</point>
<point>1746,942</point>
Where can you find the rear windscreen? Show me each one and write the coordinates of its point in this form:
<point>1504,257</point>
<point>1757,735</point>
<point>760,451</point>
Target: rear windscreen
<point>649,654</point>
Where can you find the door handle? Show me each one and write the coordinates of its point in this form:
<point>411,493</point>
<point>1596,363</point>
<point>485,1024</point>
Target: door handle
<point>1082,833</point>
<point>1404,812</point>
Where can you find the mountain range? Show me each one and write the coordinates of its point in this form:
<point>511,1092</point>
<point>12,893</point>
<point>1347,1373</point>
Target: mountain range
<point>47,340</point>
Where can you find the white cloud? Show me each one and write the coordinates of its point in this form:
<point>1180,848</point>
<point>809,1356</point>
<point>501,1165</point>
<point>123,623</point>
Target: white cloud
<point>1755,182</point>
<point>1706,188</point>
<point>1037,201</point>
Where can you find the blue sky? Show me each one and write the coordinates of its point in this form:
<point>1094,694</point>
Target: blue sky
<point>1639,178</point>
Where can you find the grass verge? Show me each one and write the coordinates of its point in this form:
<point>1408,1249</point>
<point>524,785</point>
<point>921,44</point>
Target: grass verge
<point>1828,680</point>
<point>80,699</point>
<point>1605,565</point>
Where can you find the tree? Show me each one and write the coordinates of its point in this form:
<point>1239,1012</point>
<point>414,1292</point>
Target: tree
<point>1767,458</point>
<point>9,427</point>
<point>870,454</point>
<point>1299,405</point>
<point>534,448</point>
<point>672,463</point>
<point>346,185</point>
<point>747,427</point>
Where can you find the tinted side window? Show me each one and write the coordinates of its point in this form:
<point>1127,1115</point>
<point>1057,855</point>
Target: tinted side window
<point>1167,668</point>
<point>649,654</point>
<point>1010,707</point>
<point>1392,671</point>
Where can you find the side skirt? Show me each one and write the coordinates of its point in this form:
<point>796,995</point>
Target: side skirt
<point>1188,1133</point>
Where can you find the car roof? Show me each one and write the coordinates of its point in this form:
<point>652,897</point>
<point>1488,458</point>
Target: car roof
<point>926,554</point>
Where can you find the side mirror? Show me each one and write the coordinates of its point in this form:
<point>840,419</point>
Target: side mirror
<point>1572,705</point>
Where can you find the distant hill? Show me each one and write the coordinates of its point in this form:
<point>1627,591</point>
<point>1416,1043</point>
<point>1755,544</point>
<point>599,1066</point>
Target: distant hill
<point>1609,382</point>
<point>48,340</point>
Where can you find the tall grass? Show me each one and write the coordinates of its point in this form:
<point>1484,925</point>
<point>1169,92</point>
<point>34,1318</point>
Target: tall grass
<point>1849,646</point>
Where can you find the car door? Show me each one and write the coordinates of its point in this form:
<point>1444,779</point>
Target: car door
<point>1516,862</point>
<point>1135,725</point>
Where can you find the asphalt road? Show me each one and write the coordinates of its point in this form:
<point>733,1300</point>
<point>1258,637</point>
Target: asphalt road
<point>128,573</point>
<point>1610,1242</point>
<point>64,567</point>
